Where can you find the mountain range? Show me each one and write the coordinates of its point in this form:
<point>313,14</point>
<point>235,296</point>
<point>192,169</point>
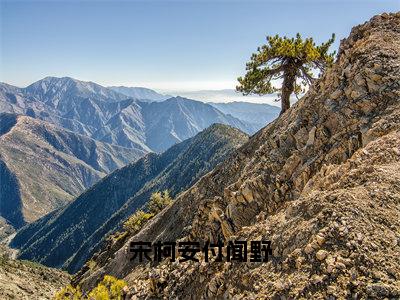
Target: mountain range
<point>225,96</point>
<point>313,196</point>
<point>59,136</point>
<point>319,186</point>
<point>109,116</point>
<point>144,94</point>
<point>257,114</point>
<point>43,167</point>
<point>230,102</point>
<point>68,237</point>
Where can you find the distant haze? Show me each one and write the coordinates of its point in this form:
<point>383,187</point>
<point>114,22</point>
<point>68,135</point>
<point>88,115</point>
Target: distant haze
<point>225,95</point>
<point>162,45</point>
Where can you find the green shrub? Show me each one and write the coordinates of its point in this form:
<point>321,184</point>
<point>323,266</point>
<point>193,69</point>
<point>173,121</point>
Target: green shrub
<point>136,221</point>
<point>91,264</point>
<point>120,235</point>
<point>158,201</point>
<point>110,288</point>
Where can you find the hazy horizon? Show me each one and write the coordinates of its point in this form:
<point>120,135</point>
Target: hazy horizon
<point>216,95</point>
<point>168,46</point>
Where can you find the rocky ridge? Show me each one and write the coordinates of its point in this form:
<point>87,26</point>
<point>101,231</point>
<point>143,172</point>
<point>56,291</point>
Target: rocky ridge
<point>321,182</point>
<point>68,237</point>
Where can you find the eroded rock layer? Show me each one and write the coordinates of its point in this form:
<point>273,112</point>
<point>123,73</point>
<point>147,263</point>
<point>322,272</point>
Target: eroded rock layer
<point>322,183</point>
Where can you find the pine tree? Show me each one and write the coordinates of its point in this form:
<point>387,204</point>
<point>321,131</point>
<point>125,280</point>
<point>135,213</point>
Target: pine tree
<point>290,59</point>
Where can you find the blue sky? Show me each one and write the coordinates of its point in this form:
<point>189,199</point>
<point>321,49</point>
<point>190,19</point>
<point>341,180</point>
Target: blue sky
<point>167,45</point>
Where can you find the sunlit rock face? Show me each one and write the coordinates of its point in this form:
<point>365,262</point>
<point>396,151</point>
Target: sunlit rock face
<point>321,182</point>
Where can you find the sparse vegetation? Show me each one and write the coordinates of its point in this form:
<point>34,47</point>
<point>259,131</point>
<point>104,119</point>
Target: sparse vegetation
<point>126,190</point>
<point>120,235</point>
<point>21,279</point>
<point>136,221</point>
<point>158,201</point>
<point>69,293</point>
<point>110,288</point>
<point>91,264</point>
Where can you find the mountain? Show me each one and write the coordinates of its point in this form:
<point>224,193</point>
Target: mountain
<point>321,183</point>
<point>82,107</point>
<point>69,237</point>
<point>253,113</point>
<point>225,95</point>
<point>58,92</point>
<point>108,116</point>
<point>43,167</point>
<point>176,119</point>
<point>140,93</point>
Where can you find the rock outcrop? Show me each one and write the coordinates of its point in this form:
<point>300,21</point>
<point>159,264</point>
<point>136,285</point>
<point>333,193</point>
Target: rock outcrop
<point>24,280</point>
<point>321,182</point>
<point>68,237</point>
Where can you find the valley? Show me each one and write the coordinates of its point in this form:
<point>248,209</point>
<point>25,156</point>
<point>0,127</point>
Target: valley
<point>234,200</point>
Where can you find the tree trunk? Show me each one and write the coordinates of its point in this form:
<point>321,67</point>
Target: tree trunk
<point>289,79</point>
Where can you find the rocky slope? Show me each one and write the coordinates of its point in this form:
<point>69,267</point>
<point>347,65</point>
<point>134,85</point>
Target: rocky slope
<point>108,116</point>
<point>67,238</point>
<point>43,167</point>
<point>321,182</point>
<point>24,280</point>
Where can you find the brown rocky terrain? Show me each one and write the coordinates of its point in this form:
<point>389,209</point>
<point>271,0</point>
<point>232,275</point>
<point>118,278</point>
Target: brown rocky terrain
<point>322,183</point>
<point>24,280</point>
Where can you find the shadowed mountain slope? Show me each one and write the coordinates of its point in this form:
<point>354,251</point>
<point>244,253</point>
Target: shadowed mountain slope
<point>71,235</point>
<point>259,115</point>
<point>321,182</point>
<point>108,116</point>
<point>43,167</point>
<point>176,119</point>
